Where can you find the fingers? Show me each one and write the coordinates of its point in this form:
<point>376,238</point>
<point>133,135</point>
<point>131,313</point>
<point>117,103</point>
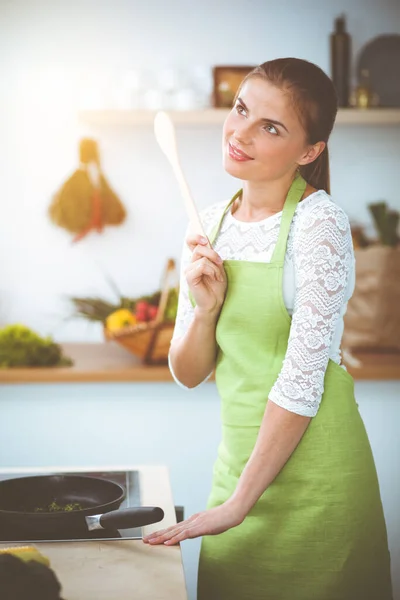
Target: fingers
<point>207,252</point>
<point>163,536</point>
<point>187,534</point>
<point>159,537</point>
<point>194,240</point>
<point>203,267</point>
<point>173,535</point>
<point>201,248</point>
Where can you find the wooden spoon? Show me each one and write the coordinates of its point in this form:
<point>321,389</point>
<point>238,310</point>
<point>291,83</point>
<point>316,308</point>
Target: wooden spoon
<point>165,135</point>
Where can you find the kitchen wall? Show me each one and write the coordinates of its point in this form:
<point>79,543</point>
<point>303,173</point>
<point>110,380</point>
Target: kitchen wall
<point>47,47</point>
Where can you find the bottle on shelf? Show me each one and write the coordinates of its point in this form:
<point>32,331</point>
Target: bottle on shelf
<point>340,51</point>
<point>363,95</point>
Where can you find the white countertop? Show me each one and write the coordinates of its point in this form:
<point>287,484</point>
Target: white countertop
<point>118,569</point>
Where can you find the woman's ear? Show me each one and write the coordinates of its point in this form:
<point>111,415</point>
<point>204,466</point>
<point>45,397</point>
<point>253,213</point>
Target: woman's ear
<point>312,153</point>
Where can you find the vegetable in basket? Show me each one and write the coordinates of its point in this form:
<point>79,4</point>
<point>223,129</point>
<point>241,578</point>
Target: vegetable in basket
<point>129,311</point>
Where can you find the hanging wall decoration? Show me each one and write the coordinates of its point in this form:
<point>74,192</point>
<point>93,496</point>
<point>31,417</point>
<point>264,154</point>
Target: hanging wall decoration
<point>86,202</point>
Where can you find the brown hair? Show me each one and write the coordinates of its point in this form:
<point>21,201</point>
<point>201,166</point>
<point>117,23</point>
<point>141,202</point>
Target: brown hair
<point>314,98</point>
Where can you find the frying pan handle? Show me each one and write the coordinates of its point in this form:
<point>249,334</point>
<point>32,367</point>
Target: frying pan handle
<point>126,518</point>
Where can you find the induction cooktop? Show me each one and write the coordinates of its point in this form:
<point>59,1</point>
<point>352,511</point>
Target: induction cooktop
<point>129,480</point>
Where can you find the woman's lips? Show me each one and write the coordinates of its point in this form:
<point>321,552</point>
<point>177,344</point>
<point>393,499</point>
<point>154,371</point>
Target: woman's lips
<point>236,154</point>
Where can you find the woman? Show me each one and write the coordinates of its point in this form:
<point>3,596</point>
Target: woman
<point>295,510</point>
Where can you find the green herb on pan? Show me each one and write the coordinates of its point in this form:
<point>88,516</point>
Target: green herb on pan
<point>54,507</point>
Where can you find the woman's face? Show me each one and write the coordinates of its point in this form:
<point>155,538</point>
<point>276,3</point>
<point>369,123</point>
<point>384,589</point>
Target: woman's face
<point>262,136</point>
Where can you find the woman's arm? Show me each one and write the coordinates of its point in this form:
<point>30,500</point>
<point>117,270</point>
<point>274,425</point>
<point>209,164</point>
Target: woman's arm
<point>193,348</point>
<point>278,437</point>
<point>192,357</point>
<point>280,432</point>
<point>323,259</point>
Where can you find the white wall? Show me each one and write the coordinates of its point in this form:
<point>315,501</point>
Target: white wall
<point>39,134</point>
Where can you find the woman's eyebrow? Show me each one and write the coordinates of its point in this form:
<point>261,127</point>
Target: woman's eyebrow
<point>264,120</point>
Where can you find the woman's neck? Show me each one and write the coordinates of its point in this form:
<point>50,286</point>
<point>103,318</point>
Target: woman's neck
<point>262,199</point>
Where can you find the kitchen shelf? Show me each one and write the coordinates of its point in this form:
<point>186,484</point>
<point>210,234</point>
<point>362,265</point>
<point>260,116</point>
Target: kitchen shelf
<point>211,116</point>
<point>100,362</point>
<point>216,116</point>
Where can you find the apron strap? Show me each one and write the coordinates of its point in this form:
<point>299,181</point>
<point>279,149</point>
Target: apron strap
<point>215,231</point>
<point>294,196</point>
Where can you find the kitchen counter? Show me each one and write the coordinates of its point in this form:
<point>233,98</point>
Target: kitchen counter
<point>120,569</point>
<point>113,423</point>
<point>110,362</point>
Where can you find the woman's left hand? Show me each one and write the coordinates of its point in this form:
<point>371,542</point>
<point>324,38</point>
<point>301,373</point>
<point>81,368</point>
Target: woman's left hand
<point>210,522</point>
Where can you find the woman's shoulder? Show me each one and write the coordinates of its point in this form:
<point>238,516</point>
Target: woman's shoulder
<point>320,207</point>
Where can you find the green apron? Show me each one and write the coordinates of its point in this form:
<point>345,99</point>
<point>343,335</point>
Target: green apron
<point>318,532</point>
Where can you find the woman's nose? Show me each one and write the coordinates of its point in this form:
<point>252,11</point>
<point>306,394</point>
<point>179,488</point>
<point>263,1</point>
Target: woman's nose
<point>242,135</point>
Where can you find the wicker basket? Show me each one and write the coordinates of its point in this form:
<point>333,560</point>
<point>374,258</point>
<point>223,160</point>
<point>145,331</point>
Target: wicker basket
<point>150,341</point>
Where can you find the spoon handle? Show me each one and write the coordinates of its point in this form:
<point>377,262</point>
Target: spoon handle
<point>190,205</point>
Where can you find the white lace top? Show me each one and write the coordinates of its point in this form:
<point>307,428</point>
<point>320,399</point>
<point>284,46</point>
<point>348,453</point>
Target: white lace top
<point>318,280</point>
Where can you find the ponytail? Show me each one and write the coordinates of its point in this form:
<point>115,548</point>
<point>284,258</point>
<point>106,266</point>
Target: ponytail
<point>317,173</point>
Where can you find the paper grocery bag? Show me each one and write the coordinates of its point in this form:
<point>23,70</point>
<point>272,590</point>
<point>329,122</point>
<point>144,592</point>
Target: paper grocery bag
<point>372,320</point>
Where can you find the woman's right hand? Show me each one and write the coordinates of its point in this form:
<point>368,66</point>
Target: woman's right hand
<point>206,277</point>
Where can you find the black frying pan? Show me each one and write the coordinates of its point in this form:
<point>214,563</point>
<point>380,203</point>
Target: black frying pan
<point>99,499</point>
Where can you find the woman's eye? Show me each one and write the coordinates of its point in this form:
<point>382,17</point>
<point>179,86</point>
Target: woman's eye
<point>239,109</point>
<point>271,129</point>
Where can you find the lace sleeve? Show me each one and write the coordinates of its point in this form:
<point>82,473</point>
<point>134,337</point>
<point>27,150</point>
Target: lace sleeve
<point>323,258</point>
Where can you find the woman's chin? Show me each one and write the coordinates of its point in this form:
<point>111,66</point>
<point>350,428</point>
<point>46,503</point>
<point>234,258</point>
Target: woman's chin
<point>235,169</point>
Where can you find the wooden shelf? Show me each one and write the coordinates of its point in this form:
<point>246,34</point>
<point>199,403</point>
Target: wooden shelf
<point>211,116</point>
<point>216,116</point>
<point>112,363</point>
